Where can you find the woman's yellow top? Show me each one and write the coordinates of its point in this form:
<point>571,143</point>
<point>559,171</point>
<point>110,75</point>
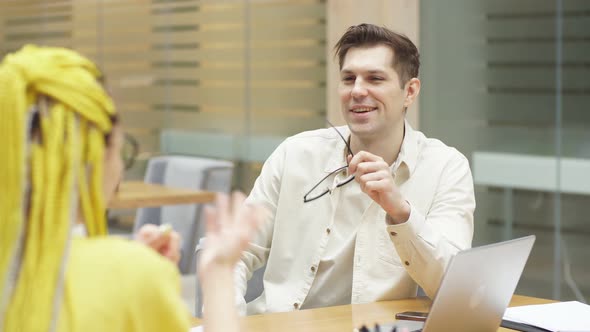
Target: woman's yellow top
<point>115,285</point>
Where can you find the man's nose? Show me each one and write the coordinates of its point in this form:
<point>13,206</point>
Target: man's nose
<point>359,90</point>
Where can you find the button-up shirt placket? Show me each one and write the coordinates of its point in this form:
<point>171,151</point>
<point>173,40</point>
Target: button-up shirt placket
<point>358,278</point>
<point>310,272</point>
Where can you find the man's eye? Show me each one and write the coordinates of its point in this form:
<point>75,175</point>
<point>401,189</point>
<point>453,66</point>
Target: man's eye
<point>348,78</point>
<point>377,78</point>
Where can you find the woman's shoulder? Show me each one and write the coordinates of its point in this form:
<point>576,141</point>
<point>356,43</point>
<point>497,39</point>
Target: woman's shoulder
<point>121,259</point>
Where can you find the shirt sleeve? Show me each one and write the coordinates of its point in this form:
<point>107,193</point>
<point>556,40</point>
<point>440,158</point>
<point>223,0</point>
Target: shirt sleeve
<point>426,243</point>
<point>266,193</point>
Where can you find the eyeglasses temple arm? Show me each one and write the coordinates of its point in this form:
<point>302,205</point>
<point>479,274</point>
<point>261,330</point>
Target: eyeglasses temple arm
<point>340,134</point>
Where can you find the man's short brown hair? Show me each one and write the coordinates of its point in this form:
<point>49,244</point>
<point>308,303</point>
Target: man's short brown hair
<point>406,59</point>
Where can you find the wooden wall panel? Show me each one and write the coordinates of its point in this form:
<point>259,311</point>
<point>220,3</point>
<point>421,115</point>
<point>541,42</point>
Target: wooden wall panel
<point>237,67</point>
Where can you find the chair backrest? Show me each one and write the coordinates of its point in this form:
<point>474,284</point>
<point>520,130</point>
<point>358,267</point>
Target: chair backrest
<point>190,173</point>
<point>255,285</point>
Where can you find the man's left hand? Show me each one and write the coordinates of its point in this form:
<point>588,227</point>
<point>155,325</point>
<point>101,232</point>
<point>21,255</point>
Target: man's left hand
<point>375,178</point>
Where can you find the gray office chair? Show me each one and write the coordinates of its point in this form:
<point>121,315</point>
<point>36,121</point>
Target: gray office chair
<point>186,219</point>
<point>254,289</point>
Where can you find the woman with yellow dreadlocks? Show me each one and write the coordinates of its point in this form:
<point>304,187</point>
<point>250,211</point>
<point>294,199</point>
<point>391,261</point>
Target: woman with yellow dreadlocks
<point>59,164</point>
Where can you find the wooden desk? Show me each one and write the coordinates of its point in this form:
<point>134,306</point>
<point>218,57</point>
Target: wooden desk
<point>345,318</point>
<point>137,194</point>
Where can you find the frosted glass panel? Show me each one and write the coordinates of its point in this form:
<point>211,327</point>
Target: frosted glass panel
<point>500,80</point>
<point>250,70</point>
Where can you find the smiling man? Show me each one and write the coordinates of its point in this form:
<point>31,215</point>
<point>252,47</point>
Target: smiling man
<point>364,212</point>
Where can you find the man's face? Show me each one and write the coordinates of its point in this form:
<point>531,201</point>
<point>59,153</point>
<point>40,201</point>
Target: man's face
<point>372,99</point>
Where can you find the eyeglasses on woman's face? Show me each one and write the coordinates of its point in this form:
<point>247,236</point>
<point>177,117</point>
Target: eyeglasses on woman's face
<point>129,151</point>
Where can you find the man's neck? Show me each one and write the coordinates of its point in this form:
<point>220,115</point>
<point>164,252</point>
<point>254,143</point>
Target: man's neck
<point>387,147</point>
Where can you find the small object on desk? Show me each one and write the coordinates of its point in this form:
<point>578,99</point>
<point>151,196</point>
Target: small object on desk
<point>521,326</point>
<point>560,316</point>
<point>364,329</point>
<point>412,315</point>
<point>387,328</point>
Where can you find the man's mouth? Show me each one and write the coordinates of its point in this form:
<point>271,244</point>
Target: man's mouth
<point>362,109</point>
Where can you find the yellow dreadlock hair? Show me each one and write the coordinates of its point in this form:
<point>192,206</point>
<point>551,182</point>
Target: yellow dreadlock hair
<point>45,173</point>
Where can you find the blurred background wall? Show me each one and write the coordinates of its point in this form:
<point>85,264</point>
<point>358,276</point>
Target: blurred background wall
<point>224,79</point>
<point>504,81</point>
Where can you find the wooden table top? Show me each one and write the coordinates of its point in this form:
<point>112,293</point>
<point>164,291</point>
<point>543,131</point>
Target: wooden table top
<point>346,317</point>
<point>137,194</point>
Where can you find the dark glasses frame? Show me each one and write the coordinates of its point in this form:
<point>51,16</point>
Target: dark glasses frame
<point>129,142</point>
<point>306,197</point>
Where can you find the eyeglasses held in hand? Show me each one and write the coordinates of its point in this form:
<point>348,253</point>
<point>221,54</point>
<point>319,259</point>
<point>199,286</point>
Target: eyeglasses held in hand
<point>314,194</point>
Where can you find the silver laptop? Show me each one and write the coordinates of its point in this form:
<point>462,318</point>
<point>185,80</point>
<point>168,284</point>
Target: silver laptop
<point>476,289</point>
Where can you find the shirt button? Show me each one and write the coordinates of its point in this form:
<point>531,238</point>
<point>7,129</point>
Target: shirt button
<point>392,233</point>
<point>296,305</point>
<point>313,269</point>
<point>407,263</point>
<point>328,230</point>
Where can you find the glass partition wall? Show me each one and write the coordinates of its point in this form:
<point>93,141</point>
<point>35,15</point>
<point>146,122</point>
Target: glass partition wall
<point>222,79</point>
<point>507,83</point>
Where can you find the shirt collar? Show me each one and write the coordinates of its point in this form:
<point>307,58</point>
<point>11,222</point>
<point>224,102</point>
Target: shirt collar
<point>408,154</point>
<point>337,157</point>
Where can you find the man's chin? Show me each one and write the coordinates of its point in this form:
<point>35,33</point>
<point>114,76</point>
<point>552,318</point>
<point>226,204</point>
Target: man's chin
<point>362,130</point>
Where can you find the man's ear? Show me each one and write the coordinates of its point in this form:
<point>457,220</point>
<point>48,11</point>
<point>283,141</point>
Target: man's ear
<point>412,89</point>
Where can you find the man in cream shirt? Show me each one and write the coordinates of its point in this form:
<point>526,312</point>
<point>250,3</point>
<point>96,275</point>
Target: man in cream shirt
<point>393,206</point>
